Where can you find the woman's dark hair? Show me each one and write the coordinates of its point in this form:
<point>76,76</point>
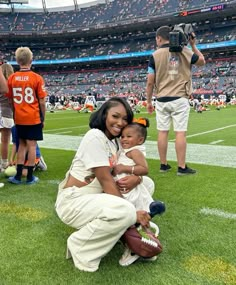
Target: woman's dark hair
<point>98,119</point>
<point>141,127</point>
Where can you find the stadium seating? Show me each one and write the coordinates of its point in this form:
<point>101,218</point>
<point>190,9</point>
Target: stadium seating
<point>217,75</point>
<point>112,11</point>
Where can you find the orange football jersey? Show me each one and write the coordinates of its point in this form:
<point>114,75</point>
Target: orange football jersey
<point>25,88</point>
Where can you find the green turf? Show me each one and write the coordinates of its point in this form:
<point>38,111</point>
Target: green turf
<point>74,123</point>
<point>198,248</point>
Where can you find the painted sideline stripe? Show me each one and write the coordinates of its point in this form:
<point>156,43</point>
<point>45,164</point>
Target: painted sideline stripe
<point>207,132</point>
<point>218,213</point>
<point>217,155</point>
<point>189,136</point>
<point>216,142</point>
<point>211,131</point>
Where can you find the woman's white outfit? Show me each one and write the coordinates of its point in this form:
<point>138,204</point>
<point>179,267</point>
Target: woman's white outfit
<point>141,195</point>
<point>100,218</point>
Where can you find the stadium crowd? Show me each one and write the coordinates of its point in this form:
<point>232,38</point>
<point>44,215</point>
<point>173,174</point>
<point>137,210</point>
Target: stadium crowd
<point>109,45</point>
<point>217,77</point>
<point>111,11</point>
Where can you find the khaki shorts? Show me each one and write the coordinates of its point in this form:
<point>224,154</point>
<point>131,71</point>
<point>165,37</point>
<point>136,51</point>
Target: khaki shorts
<point>176,112</point>
<point>7,123</point>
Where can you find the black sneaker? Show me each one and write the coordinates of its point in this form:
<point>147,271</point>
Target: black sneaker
<point>165,168</point>
<point>185,171</point>
<point>156,208</point>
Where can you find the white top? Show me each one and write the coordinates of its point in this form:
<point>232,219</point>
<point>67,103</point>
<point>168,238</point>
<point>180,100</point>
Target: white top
<point>95,150</point>
<point>123,159</point>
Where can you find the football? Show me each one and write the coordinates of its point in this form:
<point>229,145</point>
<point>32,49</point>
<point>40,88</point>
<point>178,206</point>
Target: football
<point>142,241</point>
<point>10,171</point>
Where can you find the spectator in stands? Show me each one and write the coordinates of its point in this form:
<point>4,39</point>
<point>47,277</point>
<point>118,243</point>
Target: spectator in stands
<point>88,199</point>
<point>29,112</point>
<point>6,119</point>
<point>171,74</point>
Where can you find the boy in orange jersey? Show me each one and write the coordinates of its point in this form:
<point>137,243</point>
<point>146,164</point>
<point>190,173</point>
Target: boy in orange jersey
<point>27,92</point>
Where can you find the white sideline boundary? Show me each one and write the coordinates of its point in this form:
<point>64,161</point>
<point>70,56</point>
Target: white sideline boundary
<point>218,213</point>
<point>216,142</point>
<point>214,155</point>
<point>208,132</point>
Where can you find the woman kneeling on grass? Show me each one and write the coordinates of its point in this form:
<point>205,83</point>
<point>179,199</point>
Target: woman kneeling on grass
<point>88,199</point>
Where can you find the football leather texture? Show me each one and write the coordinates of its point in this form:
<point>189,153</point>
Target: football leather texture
<point>142,241</point>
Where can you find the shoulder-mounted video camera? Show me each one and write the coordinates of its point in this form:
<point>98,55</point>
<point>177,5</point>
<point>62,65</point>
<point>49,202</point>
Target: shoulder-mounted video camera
<point>179,36</point>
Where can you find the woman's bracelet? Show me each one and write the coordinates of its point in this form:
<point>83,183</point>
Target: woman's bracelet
<point>132,170</point>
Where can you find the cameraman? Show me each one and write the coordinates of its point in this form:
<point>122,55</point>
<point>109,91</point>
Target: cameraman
<point>170,74</point>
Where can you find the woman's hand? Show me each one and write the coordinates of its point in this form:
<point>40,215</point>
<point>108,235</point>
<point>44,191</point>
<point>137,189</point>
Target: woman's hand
<point>128,183</point>
<point>143,218</point>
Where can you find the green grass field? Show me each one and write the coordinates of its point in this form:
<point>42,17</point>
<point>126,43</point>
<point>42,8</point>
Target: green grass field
<point>198,229</point>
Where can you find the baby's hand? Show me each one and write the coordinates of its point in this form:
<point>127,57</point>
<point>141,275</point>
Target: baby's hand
<point>118,169</point>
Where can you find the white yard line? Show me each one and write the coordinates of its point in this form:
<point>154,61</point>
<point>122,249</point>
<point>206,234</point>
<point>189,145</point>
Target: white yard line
<point>207,132</point>
<point>216,142</point>
<point>199,153</point>
<point>216,155</point>
<point>211,131</point>
<point>218,213</point>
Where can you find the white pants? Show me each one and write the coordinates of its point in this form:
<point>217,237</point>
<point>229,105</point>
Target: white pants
<point>100,220</point>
